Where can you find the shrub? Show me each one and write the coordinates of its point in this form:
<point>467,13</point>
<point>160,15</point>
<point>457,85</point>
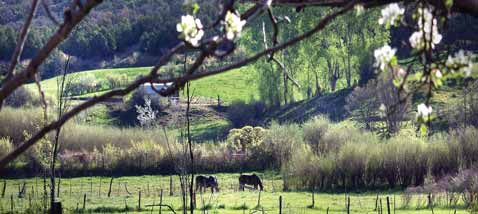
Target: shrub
<point>144,155</point>
<point>139,99</point>
<point>6,147</point>
<point>116,81</point>
<point>248,137</point>
<point>379,101</point>
<point>279,144</point>
<point>466,139</point>
<point>314,131</point>
<point>21,97</point>
<point>351,162</point>
<point>82,84</point>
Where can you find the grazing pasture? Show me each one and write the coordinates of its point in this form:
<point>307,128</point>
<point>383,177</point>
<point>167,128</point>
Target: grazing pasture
<point>125,197</point>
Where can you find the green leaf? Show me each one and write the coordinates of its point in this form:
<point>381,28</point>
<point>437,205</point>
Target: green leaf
<point>423,129</point>
<point>195,8</point>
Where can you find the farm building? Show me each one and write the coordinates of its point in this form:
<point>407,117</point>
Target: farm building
<point>149,91</point>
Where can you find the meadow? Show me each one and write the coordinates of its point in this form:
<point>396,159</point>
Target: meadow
<point>125,196</point>
<point>238,84</point>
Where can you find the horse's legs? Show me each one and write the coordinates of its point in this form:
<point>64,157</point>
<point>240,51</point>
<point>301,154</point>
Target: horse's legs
<point>255,186</point>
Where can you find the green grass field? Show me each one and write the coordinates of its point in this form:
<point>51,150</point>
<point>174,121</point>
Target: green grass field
<point>239,84</point>
<point>228,200</point>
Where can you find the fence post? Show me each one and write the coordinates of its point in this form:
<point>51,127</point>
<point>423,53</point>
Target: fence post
<point>388,205</point>
<point>139,200</point>
<point>430,202</point>
<point>161,202</point>
<point>84,202</point>
<point>313,198</point>
<point>111,184</point>
<point>99,188</point>
<point>280,204</point>
<point>4,188</point>
<point>91,185</point>
<point>348,205</point>
<point>12,207</point>
<point>170,186</point>
<point>376,203</point>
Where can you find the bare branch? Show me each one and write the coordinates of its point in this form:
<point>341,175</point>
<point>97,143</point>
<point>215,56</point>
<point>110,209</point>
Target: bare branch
<point>72,18</point>
<point>22,37</point>
<point>42,98</point>
<point>182,80</point>
<point>190,75</point>
<point>48,12</point>
<point>462,6</point>
<point>74,111</point>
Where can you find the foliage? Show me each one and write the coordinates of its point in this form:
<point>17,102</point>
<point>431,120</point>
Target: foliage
<point>379,101</point>
<point>146,114</point>
<point>22,97</point>
<point>6,146</point>
<point>246,138</point>
<point>83,84</point>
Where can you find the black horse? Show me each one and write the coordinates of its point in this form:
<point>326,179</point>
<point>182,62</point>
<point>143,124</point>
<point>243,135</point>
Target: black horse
<point>253,180</point>
<point>204,181</point>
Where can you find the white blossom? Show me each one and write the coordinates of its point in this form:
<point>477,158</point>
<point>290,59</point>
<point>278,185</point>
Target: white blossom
<point>391,14</point>
<point>401,72</point>
<point>424,110</point>
<point>190,29</point>
<point>437,73</point>
<point>234,25</point>
<point>461,59</point>
<point>427,31</point>
<point>382,110</point>
<point>146,114</point>
<point>383,56</point>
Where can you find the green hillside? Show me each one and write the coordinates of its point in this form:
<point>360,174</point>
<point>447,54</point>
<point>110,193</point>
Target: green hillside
<point>239,84</point>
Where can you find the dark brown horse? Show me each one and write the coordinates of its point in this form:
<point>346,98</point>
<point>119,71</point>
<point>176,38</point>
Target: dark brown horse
<point>204,181</point>
<point>253,180</point>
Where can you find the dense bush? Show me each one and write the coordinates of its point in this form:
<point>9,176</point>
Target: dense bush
<point>378,104</point>
<point>22,97</point>
<point>350,158</point>
<point>245,139</point>
<point>340,156</point>
<point>116,81</point>
<point>83,84</point>
<point>6,146</point>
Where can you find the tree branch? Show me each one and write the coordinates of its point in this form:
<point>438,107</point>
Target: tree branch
<point>190,75</point>
<point>74,111</point>
<point>71,19</point>
<point>326,20</point>
<point>22,37</point>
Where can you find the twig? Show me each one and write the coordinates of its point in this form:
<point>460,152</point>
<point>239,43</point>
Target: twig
<point>48,12</point>
<point>179,81</point>
<point>72,18</point>
<point>22,37</point>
